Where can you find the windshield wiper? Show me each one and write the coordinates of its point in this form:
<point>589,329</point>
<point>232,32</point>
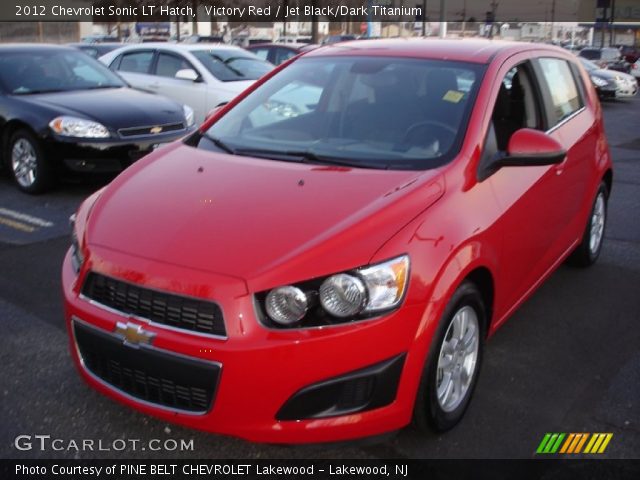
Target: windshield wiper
<point>308,156</point>
<point>31,92</point>
<point>221,145</point>
<point>311,157</point>
<point>96,87</point>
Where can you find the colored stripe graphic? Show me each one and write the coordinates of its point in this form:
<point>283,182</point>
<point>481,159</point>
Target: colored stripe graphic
<point>573,443</point>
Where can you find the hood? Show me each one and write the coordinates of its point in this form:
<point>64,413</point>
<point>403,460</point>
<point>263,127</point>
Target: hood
<point>262,220</point>
<point>113,107</point>
<point>606,74</point>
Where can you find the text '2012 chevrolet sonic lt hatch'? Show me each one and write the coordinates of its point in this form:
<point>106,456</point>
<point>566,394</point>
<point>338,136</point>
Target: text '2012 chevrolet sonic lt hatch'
<point>325,258</point>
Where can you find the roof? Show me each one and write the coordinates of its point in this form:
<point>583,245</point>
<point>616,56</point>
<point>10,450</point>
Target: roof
<point>182,47</point>
<point>17,47</point>
<point>289,45</point>
<point>470,50</point>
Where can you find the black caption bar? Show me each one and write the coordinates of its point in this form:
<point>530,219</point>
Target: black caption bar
<point>319,469</point>
<point>504,11</point>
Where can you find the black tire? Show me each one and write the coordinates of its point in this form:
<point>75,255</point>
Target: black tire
<point>584,255</point>
<point>43,175</point>
<point>428,413</point>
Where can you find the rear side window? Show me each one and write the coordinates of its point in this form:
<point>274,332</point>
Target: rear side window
<point>565,97</point>
<point>262,53</point>
<point>136,62</point>
<point>168,65</point>
<point>283,54</point>
<point>590,54</point>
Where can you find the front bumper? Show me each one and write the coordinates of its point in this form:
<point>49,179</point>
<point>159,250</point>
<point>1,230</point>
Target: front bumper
<point>264,374</point>
<point>110,155</point>
<point>626,89</point>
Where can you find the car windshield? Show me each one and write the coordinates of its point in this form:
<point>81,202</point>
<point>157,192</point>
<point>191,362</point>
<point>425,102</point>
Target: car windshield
<point>375,112</point>
<point>590,66</point>
<point>31,71</point>
<point>231,65</point>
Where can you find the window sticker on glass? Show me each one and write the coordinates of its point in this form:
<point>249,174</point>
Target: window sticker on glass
<point>453,96</point>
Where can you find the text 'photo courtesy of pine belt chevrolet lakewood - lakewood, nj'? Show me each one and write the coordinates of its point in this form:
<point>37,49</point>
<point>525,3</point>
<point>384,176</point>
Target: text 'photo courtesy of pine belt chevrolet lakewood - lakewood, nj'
<point>325,257</point>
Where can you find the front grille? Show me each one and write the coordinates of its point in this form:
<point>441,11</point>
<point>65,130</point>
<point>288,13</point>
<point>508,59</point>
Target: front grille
<point>148,374</point>
<point>138,131</point>
<point>164,308</point>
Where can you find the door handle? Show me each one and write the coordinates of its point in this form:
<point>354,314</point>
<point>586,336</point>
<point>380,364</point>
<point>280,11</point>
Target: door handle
<point>155,86</point>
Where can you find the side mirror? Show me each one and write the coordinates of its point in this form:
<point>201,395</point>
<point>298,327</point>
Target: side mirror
<point>214,110</point>
<point>187,74</point>
<point>529,147</point>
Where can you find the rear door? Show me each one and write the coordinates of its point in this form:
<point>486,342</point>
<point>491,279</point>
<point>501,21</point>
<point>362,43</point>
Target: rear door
<point>572,123</point>
<point>135,67</point>
<point>188,92</point>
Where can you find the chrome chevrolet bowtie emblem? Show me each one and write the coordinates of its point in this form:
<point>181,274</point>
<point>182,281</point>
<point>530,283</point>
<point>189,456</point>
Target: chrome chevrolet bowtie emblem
<point>155,130</point>
<point>133,334</point>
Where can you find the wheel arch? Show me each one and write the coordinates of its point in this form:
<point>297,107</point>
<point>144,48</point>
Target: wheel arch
<point>607,178</point>
<point>7,130</point>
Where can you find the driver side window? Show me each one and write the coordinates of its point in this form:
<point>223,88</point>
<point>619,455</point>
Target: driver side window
<point>517,106</point>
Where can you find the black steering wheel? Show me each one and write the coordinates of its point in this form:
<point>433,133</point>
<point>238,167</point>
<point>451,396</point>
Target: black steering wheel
<point>448,130</point>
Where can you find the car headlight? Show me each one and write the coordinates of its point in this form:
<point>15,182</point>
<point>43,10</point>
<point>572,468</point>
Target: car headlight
<point>78,127</point>
<point>77,257</point>
<point>283,109</point>
<point>598,81</point>
<point>189,116</point>
<point>344,297</point>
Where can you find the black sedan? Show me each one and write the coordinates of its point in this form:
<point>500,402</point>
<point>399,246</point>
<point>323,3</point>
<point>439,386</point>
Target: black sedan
<point>62,110</point>
<point>605,81</point>
<point>277,53</point>
<point>96,50</point>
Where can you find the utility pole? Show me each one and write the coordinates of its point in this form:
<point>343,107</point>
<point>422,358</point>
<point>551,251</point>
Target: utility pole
<point>424,18</point>
<point>553,17</point>
<point>443,20</point>
<point>611,30</point>
<point>494,10</point>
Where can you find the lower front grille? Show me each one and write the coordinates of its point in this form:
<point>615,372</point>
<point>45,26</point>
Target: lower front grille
<point>145,373</point>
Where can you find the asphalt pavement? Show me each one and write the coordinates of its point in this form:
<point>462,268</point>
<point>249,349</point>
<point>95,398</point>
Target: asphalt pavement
<point>567,361</point>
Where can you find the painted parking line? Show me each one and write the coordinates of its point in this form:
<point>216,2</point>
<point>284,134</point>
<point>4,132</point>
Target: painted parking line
<point>23,227</point>
<point>24,217</point>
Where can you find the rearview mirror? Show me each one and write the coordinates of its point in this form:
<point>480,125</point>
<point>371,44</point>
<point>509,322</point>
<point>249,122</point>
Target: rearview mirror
<point>187,74</point>
<point>529,147</point>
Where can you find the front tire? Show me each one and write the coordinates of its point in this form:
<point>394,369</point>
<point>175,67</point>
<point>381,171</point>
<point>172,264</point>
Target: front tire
<point>27,164</point>
<point>451,371</point>
<point>588,251</point>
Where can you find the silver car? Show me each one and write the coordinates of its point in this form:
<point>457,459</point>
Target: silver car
<point>202,76</point>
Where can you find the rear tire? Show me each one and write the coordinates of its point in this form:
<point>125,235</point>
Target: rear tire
<point>455,356</point>
<point>588,251</point>
<point>26,162</point>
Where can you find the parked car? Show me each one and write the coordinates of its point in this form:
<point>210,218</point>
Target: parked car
<point>328,40</point>
<point>635,69</point>
<point>605,58</point>
<point>335,274</point>
<point>201,76</point>
<point>277,53</point>
<point>99,39</point>
<point>603,80</point>
<point>96,50</point>
<point>629,53</point>
<point>204,39</point>
<point>62,110</point>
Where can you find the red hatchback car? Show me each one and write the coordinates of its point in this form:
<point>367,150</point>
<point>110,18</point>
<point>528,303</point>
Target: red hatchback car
<point>326,257</point>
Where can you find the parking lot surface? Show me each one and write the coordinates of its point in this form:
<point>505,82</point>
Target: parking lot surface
<point>567,361</point>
